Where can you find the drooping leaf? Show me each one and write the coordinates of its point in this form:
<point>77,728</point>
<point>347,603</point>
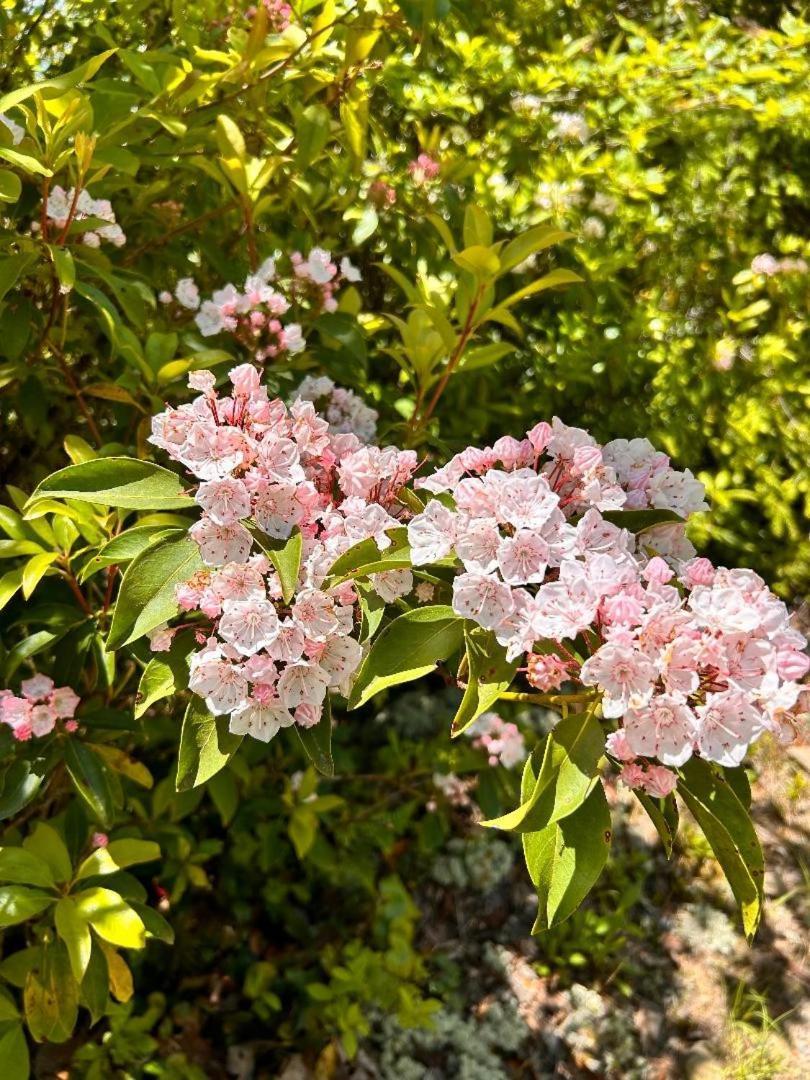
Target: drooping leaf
<point>489,674</point>
<point>285,556</point>
<point>408,648</point>
<point>664,815</point>
<point>317,741</point>
<point>74,930</point>
<point>567,774</point>
<point>727,826</point>
<point>92,780</point>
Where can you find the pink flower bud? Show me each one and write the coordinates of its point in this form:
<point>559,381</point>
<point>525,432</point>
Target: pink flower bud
<point>657,571</point>
<point>659,781</point>
<point>539,436</point>
<point>99,840</point>
<point>792,665</point>
<point>698,572</point>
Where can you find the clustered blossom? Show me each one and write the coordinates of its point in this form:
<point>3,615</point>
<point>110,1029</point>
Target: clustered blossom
<point>279,14</point>
<point>58,209</point>
<point>38,707</point>
<point>344,410</point>
<point>186,293</point>
<point>423,169</point>
<point>266,662</point>
<point>570,127</point>
<point>501,739</point>
<point>768,265</point>
<point>254,315</point>
<point>689,657</point>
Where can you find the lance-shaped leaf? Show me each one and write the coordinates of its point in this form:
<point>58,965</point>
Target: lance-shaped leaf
<point>19,903</point>
<point>96,784</point>
<point>51,996</point>
<point>663,813</point>
<point>727,826</point>
<point>317,741</point>
<point>118,855</point>
<point>285,555</point>
<point>74,930</point>
<point>127,483</point>
<point>146,596</point>
<point>165,674</point>
<point>205,746</point>
<point>367,558</point>
<point>565,858</point>
<point>636,521</point>
<point>489,674</point>
<point>408,648</point>
<point>567,775</point>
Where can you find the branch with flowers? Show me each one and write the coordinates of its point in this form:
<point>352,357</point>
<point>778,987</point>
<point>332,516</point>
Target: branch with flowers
<point>309,565</point>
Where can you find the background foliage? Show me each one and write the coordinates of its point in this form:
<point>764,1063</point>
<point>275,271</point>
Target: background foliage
<point>669,139</point>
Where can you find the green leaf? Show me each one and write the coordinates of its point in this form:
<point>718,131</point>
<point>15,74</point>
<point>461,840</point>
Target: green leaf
<point>46,844</point>
<point>206,745</point>
<point>489,674</point>
<point>19,785</point>
<point>156,926</point>
<point>727,826</point>
<point>566,858</point>
<point>481,356</point>
<point>111,917</point>
<point>636,521</point>
<point>80,74</point>
<point>10,186</point>
<point>51,996</point>
<point>408,648</point>
<point>64,266</point>
<point>95,984</point>
<point>35,569</point>
<point>12,268</point>
<point>551,280</point>
<point>529,243</point>
<point>366,558</point>
<point>117,855</point>
<point>146,596</point>
<point>125,547</point>
<point>165,674</point>
<point>285,555</point>
<point>568,773</point>
<point>116,481</point>
<point>478,260</point>
<point>14,1059</point>
<point>477,226</point>
<point>73,929</point>
<point>317,741</point>
<point>18,903</point>
<point>10,583</point>
<point>23,867</point>
<point>311,134</point>
<point>664,815</point>
<point>91,779</point>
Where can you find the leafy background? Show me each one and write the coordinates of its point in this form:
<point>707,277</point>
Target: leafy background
<point>365,926</point>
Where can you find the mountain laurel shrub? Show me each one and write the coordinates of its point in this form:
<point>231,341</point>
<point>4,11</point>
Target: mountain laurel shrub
<point>276,359</point>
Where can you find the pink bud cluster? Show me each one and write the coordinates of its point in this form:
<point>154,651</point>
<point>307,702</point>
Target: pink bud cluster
<point>344,410</point>
<point>266,662</point>
<point>702,662</point>
<point>58,210</point>
<point>254,314</point>
<point>38,708</point>
<point>279,14</point>
<point>501,739</point>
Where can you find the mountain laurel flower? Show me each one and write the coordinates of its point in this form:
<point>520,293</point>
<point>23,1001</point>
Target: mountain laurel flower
<point>266,662</point>
<point>35,711</point>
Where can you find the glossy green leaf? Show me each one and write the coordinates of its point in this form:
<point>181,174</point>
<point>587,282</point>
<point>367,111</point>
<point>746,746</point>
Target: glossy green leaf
<point>21,867</point>
<point>205,746</point>
<point>285,556</point>
<point>117,855</point>
<point>18,903</point>
<point>408,648</point>
<point>116,481</point>
<point>146,597</point>
<point>568,773</point>
<point>111,917</point>
<point>72,927</point>
<point>489,674</point>
<point>317,741</point>
<point>45,843</point>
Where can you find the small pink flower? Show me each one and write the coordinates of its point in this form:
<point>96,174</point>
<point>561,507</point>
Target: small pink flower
<point>659,781</point>
<point>99,840</point>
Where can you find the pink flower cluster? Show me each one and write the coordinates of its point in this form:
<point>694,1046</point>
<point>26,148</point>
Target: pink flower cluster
<point>699,664</point>
<point>38,708</point>
<point>501,740</point>
<point>58,210</point>
<point>253,315</point>
<point>266,662</point>
<point>344,410</point>
<point>279,14</point>
<point>423,169</point>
